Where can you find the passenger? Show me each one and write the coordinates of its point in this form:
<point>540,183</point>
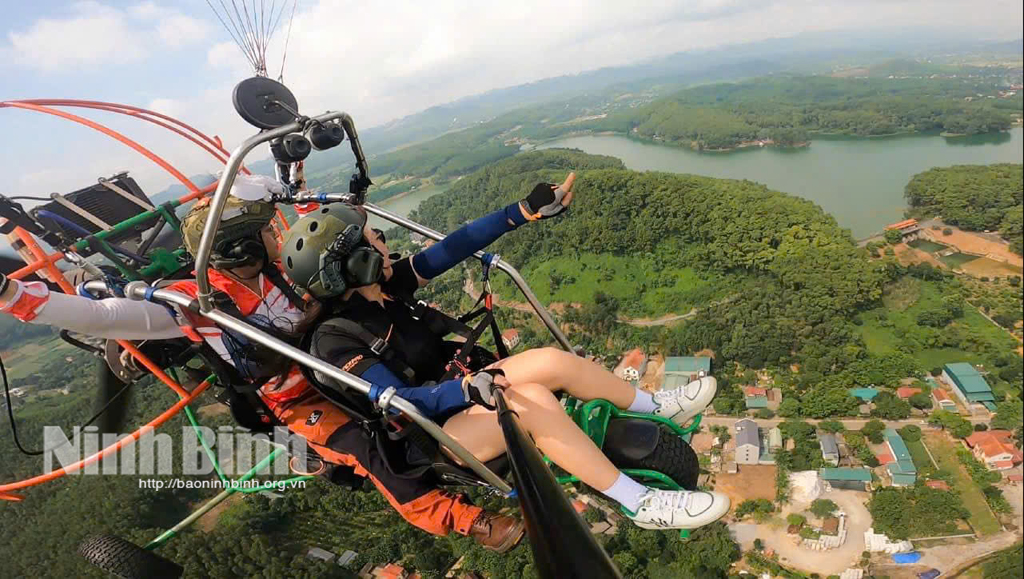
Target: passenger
<point>246,275</point>
<point>335,255</point>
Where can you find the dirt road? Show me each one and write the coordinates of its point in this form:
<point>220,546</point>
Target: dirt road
<point>470,288</point>
<point>833,561</point>
<point>952,559</point>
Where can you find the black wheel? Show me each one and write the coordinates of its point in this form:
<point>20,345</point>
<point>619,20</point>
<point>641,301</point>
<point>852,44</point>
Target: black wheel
<point>127,560</point>
<point>672,457</point>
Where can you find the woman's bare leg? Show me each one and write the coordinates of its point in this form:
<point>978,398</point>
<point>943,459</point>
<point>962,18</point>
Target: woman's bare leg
<point>560,370</point>
<point>555,433</point>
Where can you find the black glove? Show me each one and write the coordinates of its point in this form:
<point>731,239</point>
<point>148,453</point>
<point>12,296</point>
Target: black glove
<point>478,388</point>
<point>4,282</point>
<point>544,201</point>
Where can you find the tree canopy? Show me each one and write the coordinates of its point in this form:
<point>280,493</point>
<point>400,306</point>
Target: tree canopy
<point>972,197</point>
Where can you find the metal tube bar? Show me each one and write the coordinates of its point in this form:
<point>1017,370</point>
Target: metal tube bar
<point>221,196</point>
<point>110,133</point>
<point>79,211</point>
<point>206,446</point>
<point>137,291</point>
<point>517,279</point>
<point>173,531</point>
<point>113,448</point>
<point>58,278</point>
<point>128,196</point>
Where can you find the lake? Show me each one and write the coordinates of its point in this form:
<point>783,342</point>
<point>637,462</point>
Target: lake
<point>405,204</point>
<point>858,180</point>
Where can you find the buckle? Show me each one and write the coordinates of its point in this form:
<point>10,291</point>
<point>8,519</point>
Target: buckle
<point>418,309</point>
<point>378,346</point>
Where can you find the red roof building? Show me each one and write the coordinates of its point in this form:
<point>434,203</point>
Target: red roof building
<point>995,448</point>
<point>393,571</point>
<point>885,458</point>
<point>903,225</point>
<point>905,392</point>
<point>633,364</point>
<point>938,484</point>
<point>754,391</point>
<point>511,338</point>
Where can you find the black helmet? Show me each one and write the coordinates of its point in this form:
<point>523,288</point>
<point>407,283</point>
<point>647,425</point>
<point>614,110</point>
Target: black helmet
<point>326,254</point>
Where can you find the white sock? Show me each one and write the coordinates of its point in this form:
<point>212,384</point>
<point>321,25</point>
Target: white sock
<point>626,492</point>
<point>643,403</point>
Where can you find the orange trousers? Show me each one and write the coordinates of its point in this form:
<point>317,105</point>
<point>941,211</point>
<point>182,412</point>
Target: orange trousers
<point>339,440</point>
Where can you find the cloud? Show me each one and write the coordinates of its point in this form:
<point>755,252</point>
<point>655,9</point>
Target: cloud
<point>383,60</point>
<point>95,36</point>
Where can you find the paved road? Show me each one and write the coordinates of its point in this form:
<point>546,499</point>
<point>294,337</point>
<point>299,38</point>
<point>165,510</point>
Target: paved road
<point>849,423</point>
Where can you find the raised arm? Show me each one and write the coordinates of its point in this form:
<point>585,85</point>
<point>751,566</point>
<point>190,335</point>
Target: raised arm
<point>546,200</point>
<point>118,318</point>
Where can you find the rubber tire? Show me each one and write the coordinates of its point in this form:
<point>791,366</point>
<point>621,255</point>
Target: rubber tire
<point>673,457</point>
<point>127,560</point>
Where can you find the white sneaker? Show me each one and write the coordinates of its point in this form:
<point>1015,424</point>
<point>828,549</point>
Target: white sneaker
<point>683,403</point>
<point>678,509</point>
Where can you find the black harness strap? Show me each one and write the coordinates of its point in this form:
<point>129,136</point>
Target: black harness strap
<point>247,408</point>
<point>275,277</point>
<point>379,346</point>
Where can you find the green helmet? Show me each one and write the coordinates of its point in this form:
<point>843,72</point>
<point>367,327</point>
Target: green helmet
<point>326,254</point>
<point>237,242</point>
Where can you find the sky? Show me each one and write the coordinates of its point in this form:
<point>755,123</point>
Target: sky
<point>376,60</point>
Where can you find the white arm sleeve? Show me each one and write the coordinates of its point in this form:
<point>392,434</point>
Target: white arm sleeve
<point>114,318</point>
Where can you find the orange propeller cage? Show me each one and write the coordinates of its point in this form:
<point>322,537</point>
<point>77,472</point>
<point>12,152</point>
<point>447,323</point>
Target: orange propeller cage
<point>46,262</point>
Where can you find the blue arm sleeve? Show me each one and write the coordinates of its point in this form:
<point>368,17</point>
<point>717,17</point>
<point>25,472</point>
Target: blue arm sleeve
<point>430,400</point>
<point>466,241</point>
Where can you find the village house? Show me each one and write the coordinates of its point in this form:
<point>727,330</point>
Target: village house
<point>829,449</point>
<point>897,460</point>
<point>748,442</point>
<point>866,395</point>
<point>969,385</point>
<point>942,400</point>
<point>908,228</point>
<point>755,398</point>
<point>905,392</point>
<point>774,439</point>
<point>688,367</point>
<point>854,479</point>
<point>995,448</point>
<point>510,338</point>
<point>633,365</point>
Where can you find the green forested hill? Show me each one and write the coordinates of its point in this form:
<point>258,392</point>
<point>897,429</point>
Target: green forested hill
<point>790,109</point>
<point>774,280</point>
<point>793,274</point>
<point>973,197</point>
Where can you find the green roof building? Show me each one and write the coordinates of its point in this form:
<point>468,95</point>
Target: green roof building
<point>673,381</point>
<point>688,364</point>
<point>680,370</point>
<point>968,384</point>
<point>865,394</point>
<point>756,402</point>
<point>857,479</point>
<point>902,469</point>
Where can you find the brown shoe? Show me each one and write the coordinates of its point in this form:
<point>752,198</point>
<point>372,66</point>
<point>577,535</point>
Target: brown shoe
<point>498,533</point>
